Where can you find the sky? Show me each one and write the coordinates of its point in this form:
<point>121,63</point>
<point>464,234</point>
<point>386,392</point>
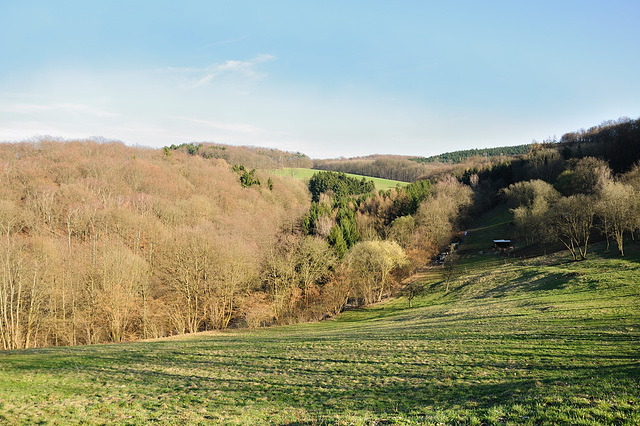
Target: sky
<point>325,78</point>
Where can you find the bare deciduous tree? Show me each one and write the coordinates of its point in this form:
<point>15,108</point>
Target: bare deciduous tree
<point>532,201</point>
<point>188,268</point>
<point>572,221</point>
<point>618,209</point>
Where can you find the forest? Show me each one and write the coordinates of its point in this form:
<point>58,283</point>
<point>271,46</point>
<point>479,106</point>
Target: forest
<point>250,157</point>
<point>108,243</point>
<point>102,242</point>
<point>386,167</point>
<point>460,156</point>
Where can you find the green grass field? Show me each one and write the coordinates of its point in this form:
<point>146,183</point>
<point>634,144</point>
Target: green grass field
<point>541,341</point>
<point>302,174</point>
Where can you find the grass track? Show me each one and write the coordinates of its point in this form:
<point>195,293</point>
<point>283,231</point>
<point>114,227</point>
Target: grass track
<point>542,341</point>
<point>303,174</point>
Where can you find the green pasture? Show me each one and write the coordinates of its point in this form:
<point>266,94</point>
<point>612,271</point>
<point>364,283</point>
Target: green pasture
<point>533,342</point>
<point>302,174</point>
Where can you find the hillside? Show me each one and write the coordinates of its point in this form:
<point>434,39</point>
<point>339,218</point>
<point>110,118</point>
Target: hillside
<point>462,155</point>
<point>108,243</point>
<point>411,169</point>
<point>103,242</point>
<point>250,156</point>
<point>305,174</point>
<point>615,141</point>
<point>542,341</point>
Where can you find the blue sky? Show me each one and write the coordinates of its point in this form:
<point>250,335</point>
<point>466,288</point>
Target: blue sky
<point>329,78</point>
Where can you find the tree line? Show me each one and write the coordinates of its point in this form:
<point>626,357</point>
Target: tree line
<point>584,199</point>
<point>412,169</point>
<point>394,168</point>
<point>616,141</point>
<point>251,157</point>
<point>463,155</point>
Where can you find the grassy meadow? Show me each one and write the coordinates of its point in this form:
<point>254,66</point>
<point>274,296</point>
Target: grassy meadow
<point>539,341</point>
<point>304,174</point>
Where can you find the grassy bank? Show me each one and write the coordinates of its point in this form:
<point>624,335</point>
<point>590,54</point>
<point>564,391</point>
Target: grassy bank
<point>539,341</point>
<point>302,174</point>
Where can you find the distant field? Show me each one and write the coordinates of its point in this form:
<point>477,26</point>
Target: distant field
<point>381,184</point>
<point>541,341</point>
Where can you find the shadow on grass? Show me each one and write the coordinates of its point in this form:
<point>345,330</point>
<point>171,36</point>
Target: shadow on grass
<point>529,281</point>
<point>357,374</point>
<point>348,386</point>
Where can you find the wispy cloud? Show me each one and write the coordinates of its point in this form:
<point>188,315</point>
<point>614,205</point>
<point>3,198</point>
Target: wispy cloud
<point>197,77</point>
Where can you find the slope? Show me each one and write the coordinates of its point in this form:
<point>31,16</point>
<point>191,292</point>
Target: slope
<point>305,174</point>
<point>540,341</point>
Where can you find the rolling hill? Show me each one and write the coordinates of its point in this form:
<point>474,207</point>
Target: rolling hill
<point>305,174</point>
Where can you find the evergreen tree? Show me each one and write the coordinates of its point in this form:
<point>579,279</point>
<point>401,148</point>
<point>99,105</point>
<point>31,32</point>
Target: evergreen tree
<point>336,240</point>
